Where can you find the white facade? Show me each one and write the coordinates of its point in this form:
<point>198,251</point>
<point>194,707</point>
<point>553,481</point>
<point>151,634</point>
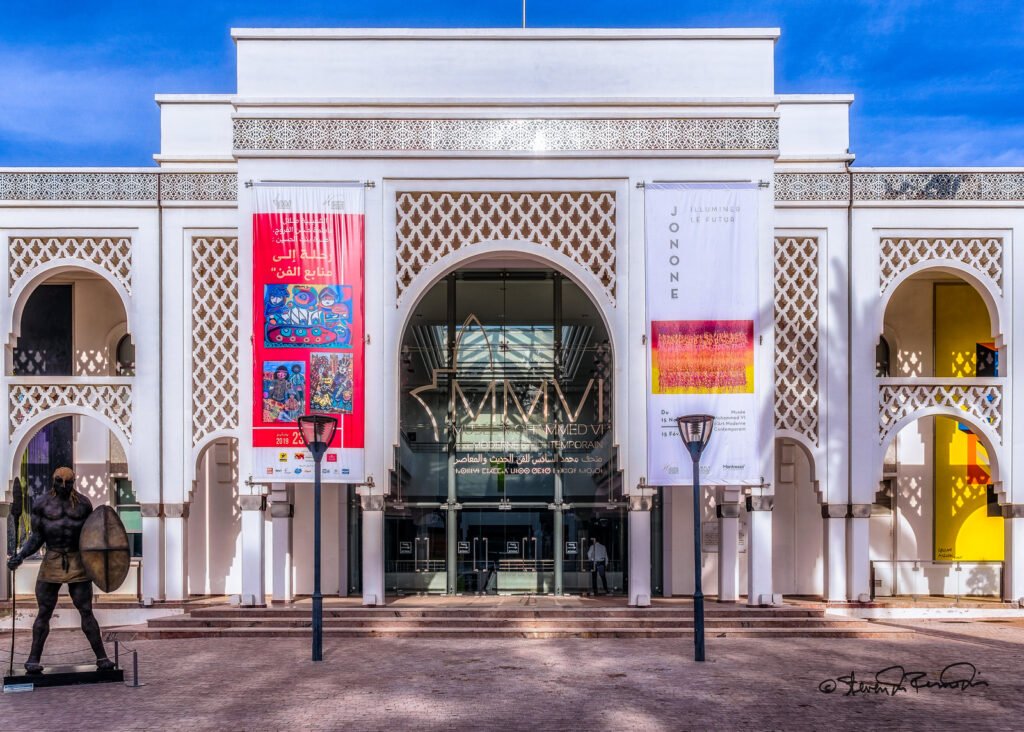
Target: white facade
<point>529,112</point>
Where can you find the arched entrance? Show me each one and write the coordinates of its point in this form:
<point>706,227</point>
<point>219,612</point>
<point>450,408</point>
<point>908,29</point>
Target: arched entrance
<point>506,467</point>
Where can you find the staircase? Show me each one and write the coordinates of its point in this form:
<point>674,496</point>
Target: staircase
<point>505,622</point>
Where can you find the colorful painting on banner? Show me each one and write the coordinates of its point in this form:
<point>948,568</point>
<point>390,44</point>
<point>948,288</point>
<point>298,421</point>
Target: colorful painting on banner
<point>284,390</point>
<point>308,328</point>
<point>307,316</point>
<point>702,356</point>
<point>332,385</point>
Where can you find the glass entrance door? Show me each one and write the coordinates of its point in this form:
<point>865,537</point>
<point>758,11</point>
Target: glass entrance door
<point>505,427</point>
<point>506,551</point>
<point>415,546</point>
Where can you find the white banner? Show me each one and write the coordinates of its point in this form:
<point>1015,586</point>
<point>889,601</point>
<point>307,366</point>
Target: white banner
<point>702,305</point>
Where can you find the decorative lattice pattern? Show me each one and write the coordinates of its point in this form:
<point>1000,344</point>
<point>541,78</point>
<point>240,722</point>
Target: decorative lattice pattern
<point>897,186</point>
<point>29,401</point>
<point>812,187</point>
<point>198,186</point>
<point>432,225</point>
<point>982,254</point>
<point>214,335</point>
<point>72,186</point>
<point>796,336</point>
<point>114,254</point>
<point>506,135</point>
<point>80,186</point>
<point>947,186</point>
<point>982,402</point>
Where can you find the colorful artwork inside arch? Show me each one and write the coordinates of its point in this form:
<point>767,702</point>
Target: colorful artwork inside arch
<point>308,328</point>
<point>968,527</point>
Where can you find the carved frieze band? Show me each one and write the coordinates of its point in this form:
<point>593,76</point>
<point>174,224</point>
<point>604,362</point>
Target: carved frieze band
<point>135,187</point>
<point>506,135</point>
<point>897,186</point>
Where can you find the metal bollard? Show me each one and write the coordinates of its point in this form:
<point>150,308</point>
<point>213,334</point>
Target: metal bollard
<point>135,669</point>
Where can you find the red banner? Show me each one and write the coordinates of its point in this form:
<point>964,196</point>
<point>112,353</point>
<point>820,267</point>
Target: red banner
<point>308,328</point>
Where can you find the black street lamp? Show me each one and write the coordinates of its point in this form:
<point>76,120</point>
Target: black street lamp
<point>317,432</point>
<point>695,429</point>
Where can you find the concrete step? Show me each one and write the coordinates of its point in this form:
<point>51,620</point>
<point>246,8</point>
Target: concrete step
<point>506,613</point>
<point>132,633</point>
<point>495,624</point>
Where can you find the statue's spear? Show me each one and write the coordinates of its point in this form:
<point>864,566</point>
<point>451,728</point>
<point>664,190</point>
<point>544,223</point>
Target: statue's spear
<point>16,513</point>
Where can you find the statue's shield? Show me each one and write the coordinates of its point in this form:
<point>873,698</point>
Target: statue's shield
<point>104,547</point>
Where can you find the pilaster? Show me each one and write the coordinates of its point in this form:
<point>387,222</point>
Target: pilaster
<point>152,552</point>
<point>859,555</point>
<point>282,509</point>
<point>640,548</point>
<point>727,508</point>
<point>254,583</point>
<point>833,522</point>
<point>175,551</point>
<point>5,511</point>
<point>373,549</point>
<point>759,548</point>
<point>1013,560</point>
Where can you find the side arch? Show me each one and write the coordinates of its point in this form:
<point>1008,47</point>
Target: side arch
<point>25,432</point>
<point>25,286</point>
<point>989,438</point>
<point>985,288</point>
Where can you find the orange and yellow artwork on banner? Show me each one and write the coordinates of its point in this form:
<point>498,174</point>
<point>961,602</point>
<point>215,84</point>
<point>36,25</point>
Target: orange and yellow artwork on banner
<point>702,356</point>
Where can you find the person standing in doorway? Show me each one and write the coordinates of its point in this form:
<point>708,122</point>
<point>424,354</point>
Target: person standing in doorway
<point>598,557</point>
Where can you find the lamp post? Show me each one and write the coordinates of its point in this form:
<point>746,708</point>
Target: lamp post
<point>695,430</point>
<point>317,432</point>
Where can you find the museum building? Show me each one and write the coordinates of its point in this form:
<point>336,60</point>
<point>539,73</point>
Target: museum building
<point>501,178</point>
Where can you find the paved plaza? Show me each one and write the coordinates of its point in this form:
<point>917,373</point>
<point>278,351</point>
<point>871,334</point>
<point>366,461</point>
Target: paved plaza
<point>579,684</point>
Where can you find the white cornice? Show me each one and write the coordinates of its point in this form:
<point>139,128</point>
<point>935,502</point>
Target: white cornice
<point>463,102</point>
<point>504,34</point>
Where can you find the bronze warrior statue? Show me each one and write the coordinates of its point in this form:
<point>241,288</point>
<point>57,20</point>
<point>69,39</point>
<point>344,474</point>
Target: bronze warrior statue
<point>57,521</point>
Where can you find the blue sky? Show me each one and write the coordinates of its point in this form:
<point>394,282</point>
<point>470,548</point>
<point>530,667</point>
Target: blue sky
<point>937,83</point>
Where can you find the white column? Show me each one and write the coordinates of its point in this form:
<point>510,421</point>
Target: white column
<point>175,551</point>
<point>1013,561</point>
<point>343,540</point>
<point>373,549</point>
<point>640,550</point>
<point>282,508</point>
<point>833,521</point>
<point>858,559</point>
<point>5,511</point>
<point>727,507</point>
<point>152,553</point>
<point>254,583</point>
<point>759,548</point>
